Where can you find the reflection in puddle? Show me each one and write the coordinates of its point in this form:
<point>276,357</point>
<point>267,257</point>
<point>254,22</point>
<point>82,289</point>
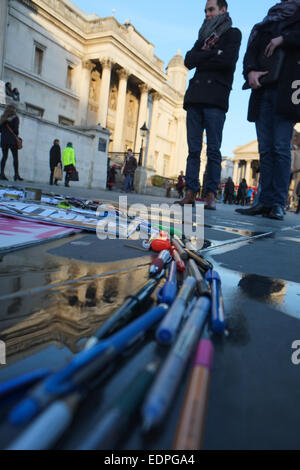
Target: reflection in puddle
<point>48,300</point>
<point>279,294</point>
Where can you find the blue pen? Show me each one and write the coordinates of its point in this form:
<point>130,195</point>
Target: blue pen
<point>218,324</point>
<point>167,330</point>
<point>23,382</point>
<point>84,366</point>
<point>167,293</point>
<point>166,383</point>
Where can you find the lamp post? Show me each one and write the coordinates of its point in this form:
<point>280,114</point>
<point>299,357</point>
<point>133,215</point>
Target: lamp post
<point>144,132</point>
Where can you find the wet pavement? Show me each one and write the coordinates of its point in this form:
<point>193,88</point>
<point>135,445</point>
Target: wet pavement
<point>55,295</point>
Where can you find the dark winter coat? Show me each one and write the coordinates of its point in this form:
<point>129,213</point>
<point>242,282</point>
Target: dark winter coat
<point>7,138</point>
<point>212,82</point>
<point>229,187</point>
<point>130,166</point>
<point>290,72</point>
<point>55,156</point>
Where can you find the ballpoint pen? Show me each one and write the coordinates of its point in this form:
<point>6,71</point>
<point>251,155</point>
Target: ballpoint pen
<point>85,365</point>
<point>170,374</point>
<point>167,293</point>
<point>202,286</point>
<point>128,311</point>
<point>168,328</point>
<point>218,323</point>
<point>116,421</point>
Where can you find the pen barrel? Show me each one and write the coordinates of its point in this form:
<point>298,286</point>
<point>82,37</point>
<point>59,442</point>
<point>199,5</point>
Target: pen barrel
<point>218,324</point>
<point>168,328</point>
<point>182,253</point>
<point>202,286</point>
<point>191,425</point>
<point>46,429</point>
<point>169,376</point>
<point>180,263</point>
<point>203,264</point>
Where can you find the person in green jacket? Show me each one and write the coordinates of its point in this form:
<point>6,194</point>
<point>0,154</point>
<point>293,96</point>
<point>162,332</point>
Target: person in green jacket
<point>69,162</point>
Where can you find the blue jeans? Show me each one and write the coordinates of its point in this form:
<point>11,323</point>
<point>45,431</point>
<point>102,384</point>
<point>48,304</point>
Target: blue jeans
<point>200,118</point>
<point>274,134</point>
<point>128,183</point>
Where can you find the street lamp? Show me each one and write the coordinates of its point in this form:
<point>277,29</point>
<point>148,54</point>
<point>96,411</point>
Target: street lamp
<point>144,132</point>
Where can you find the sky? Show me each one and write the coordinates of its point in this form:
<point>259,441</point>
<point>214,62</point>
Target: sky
<point>174,24</point>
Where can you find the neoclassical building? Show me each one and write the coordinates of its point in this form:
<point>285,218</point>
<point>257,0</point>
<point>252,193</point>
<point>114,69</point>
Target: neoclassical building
<point>82,71</point>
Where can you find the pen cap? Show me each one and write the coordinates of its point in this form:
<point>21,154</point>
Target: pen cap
<point>205,353</point>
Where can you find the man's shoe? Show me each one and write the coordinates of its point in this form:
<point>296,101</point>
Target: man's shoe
<point>258,209</point>
<point>210,202</point>
<point>188,199</point>
<point>18,178</point>
<point>276,213</point>
<point>3,177</point>
<point>67,185</point>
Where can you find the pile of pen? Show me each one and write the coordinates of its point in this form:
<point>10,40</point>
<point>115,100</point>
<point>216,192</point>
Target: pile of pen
<point>187,310</point>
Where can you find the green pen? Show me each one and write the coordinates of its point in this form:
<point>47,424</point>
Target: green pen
<point>116,422</point>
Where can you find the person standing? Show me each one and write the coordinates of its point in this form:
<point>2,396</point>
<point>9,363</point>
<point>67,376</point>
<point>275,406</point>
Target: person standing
<point>129,171</point>
<point>229,191</point>
<point>9,128</point>
<point>214,56</point>
<point>111,178</point>
<point>180,184</point>
<point>55,159</point>
<point>276,40</point>
<point>298,194</point>
<point>69,162</point>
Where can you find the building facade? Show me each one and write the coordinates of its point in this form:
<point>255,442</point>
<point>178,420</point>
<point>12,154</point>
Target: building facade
<point>81,71</point>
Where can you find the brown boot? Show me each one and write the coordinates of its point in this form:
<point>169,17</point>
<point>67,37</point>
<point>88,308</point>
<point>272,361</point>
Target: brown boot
<point>188,199</point>
<point>210,203</point>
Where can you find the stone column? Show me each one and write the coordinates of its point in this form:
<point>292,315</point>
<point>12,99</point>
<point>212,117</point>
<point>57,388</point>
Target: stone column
<point>120,117</point>
<point>3,33</point>
<point>153,127</point>
<point>142,115</point>
<point>248,173</point>
<point>235,172</point>
<point>84,90</point>
<point>104,92</point>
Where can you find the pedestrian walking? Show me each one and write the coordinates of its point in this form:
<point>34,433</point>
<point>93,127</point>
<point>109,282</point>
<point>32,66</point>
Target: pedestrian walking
<point>69,162</point>
<point>55,159</point>
<point>9,128</point>
<point>270,67</point>
<point>214,56</point>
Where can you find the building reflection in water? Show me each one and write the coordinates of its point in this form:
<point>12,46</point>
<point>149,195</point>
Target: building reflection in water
<point>56,314</point>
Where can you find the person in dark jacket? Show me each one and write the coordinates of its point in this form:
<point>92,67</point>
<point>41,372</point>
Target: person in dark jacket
<point>242,193</point>
<point>128,172</point>
<point>55,159</point>
<point>9,128</point>
<point>229,191</point>
<point>272,105</point>
<point>111,178</point>
<point>8,90</point>
<point>214,56</point>
<point>298,194</point>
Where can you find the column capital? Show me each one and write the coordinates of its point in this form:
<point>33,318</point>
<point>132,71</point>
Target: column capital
<point>106,63</point>
<point>144,88</point>
<point>88,65</point>
<point>156,96</point>
<point>123,74</point>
